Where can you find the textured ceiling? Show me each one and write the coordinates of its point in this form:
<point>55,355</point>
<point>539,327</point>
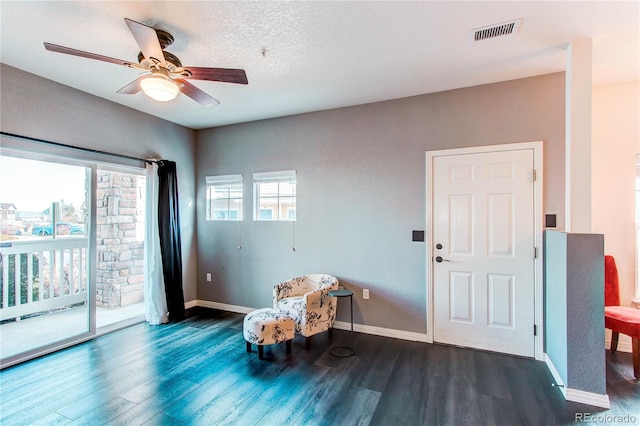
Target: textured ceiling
<point>309,56</point>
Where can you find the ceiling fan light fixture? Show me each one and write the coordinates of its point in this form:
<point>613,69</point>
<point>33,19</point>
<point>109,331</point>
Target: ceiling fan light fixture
<point>164,76</point>
<point>159,88</point>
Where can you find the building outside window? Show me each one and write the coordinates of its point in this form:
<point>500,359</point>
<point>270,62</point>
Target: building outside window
<point>224,197</point>
<point>275,196</point>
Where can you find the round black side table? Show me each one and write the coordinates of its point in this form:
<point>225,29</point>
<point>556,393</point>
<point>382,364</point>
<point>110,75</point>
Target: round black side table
<point>343,351</point>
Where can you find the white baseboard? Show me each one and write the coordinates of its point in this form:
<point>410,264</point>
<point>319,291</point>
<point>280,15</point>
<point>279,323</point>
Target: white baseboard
<point>224,306</point>
<point>576,395</point>
<point>588,398</point>
<point>381,331</point>
<point>623,345</point>
<point>338,325</point>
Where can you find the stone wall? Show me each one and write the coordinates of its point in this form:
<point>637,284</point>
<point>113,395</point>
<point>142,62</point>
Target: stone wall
<point>119,239</point>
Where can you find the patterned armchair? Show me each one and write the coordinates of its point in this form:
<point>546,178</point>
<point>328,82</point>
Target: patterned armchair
<point>306,299</point>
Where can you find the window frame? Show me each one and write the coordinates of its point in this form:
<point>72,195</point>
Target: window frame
<point>287,176</point>
<point>222,181</point>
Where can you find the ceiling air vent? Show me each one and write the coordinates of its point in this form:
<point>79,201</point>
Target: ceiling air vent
<point>497,30</point>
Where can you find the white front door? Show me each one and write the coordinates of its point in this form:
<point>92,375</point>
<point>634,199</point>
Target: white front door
<point>483,250</point>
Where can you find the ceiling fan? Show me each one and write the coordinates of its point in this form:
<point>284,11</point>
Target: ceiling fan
<point>164,76</point>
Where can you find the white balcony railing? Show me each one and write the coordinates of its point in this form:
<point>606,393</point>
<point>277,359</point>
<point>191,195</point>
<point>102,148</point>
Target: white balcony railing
<point>42,275</point>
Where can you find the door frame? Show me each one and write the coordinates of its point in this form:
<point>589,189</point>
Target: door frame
<point>537,147</point>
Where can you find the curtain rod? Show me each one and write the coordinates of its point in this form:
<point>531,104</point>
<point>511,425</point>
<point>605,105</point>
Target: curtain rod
<point>79,148</point>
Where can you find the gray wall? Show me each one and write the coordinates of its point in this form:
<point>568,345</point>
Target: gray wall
<point>361,191</point>
<point>36,107</point>
<point>574,324</point>
<point>361,180</point>
<point>585,313</point>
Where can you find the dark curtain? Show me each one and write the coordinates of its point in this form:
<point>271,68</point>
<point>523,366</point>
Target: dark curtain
<point>169,227</point>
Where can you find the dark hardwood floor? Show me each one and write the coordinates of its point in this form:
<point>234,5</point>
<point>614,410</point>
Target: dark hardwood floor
<point>198,372</point>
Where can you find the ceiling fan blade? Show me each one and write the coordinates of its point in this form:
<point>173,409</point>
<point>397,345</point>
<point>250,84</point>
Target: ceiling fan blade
<point>196,94</point>
<point>75,52</point>
<point>147,39</point>
<point>227,75</point>
<point>133,87</point>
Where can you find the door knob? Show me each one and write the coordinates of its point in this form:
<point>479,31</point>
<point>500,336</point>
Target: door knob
<point>440,259</point>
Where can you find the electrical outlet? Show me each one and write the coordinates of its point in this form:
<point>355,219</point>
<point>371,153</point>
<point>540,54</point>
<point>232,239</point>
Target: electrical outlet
<point>208,276</point>
<point>365,293</point>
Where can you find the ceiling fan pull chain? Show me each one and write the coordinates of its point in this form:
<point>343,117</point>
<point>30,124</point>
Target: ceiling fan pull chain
<point>293,235</point>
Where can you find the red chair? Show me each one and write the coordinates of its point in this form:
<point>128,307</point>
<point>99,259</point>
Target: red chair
<point>617,318</point>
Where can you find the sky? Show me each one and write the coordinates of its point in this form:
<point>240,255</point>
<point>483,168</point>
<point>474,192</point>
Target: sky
<point>33,185</point>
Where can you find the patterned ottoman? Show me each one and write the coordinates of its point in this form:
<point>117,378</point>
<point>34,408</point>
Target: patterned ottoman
<point>266,327</point>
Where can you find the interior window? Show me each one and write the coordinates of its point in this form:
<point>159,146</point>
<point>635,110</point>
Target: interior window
<point>224,197</point>
<point>275,195</point>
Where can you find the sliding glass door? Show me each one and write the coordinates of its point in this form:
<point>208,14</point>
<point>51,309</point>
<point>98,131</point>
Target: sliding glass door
<point>119,252</point>
<point>45,260</point>
<point>71,251</point>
